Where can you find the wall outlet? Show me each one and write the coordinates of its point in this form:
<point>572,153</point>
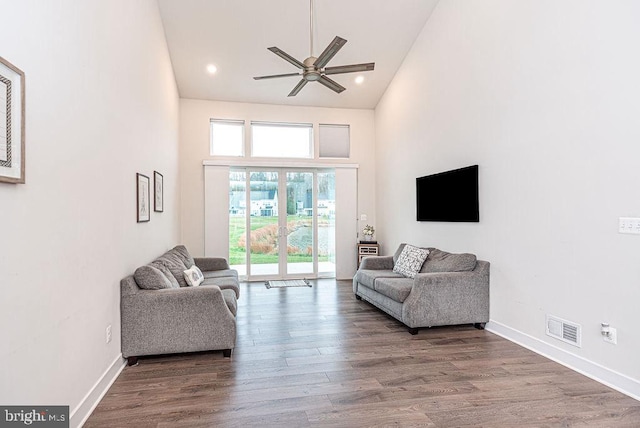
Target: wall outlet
<point>109,333</point>
<point>612,337</point>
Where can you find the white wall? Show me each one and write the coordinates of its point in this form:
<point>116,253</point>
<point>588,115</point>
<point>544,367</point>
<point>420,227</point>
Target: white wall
<point>194,148</point>
<point>543,95</point>
<point>101,105</point>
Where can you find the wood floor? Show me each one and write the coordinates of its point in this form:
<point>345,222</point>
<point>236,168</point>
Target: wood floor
<point>318,357</point>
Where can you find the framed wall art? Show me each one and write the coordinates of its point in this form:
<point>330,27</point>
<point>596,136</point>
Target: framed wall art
<point>12,152</point>
<point>142,193</point>
<point>158,185</point>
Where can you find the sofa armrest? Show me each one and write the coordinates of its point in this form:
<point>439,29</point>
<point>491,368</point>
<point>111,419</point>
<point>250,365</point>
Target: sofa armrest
<point>176,320</point>
<point>377,263</point>
<point>447,298</point>
<point>211,263</point>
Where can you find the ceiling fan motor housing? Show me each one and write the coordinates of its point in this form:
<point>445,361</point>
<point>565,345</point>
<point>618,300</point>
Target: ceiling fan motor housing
<point>311,73</point>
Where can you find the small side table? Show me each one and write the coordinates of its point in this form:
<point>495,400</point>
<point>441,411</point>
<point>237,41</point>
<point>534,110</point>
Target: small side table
<point>366,250</point>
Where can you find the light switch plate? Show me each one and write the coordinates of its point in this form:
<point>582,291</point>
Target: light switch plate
<point>629,225</point>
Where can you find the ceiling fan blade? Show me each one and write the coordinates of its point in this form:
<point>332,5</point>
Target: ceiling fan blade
<point>336,44</point>
<point>334,86</point>
<point>282,54</point>
<point>297,89</point>
<point>273,76</point>
<point>354,68</point>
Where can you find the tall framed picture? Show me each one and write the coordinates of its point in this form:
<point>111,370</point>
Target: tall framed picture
<point>143,213</point>
<point>12,110</point>
<point>158,185</point>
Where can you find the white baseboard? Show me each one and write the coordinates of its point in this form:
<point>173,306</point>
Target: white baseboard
<point>595,371</point>
<point>81,413</point>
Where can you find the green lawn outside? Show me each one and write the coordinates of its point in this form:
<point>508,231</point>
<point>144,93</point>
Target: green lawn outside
<point>237,254</point>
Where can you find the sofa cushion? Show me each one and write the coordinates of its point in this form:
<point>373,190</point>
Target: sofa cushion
<point>398,252</point>
<point>410,261</point>
<point>175,264</point>
<point>171,257</point>
<point>182,252</point>
<point>193,276</point>
<point>150,278</point>
<point>227,283</point>
<point>167,273</point>
<point>368,277</point>
<point>230,273</point>
<point>394,288</point>
<point>230,299</point>
<point>441,261</point>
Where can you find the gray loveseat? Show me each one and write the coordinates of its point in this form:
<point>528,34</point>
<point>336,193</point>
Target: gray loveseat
<point>161,314</point>
<point>450,289</point>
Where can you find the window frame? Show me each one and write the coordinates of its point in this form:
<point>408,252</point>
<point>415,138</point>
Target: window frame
<point>239,122</point>
<point>311,144</point>
<point>320,139</point>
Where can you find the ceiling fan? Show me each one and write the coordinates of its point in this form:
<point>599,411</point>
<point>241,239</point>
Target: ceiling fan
<point>313,69</point>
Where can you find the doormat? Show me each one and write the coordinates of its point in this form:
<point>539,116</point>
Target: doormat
<point>289,283</point>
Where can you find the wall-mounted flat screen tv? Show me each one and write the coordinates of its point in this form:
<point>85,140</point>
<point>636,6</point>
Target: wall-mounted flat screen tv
<point>449,196</point>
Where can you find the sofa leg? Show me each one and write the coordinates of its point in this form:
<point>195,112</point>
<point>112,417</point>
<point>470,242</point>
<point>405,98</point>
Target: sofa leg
<point>479,325</point>
<point>413,331</point>
<point>226,353</point>
<point>132,361</point>
<point>358,297</point>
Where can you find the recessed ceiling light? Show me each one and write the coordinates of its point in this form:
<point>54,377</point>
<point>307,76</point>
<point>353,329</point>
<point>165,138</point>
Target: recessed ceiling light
<point>359,80</point>
<point>212,68</point>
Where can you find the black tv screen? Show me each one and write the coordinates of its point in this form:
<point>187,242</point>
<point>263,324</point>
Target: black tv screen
<point>449,196</point>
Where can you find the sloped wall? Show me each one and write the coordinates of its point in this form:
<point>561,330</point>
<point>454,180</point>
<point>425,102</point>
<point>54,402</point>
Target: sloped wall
<point>543,95</point>
<point>101,105</point>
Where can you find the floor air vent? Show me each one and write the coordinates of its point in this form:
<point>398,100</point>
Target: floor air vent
<point>564,330</point>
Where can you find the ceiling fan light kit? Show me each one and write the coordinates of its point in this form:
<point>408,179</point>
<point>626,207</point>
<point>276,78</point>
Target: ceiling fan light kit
<point>313,69</point>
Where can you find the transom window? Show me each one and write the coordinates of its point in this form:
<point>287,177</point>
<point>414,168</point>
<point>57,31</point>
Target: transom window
<point>227,137</point>
<point>281,140</point>
<point>334,141</point>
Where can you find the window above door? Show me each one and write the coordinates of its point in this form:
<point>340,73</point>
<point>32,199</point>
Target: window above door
<point>282,140</point>
<point>227,137</point>
<point>278,140</point>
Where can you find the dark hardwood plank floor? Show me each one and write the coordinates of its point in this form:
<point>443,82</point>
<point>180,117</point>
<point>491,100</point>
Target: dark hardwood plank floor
<point>318,357</point>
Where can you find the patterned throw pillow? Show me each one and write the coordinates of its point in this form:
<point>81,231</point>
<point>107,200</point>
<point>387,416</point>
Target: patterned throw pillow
<point>410,261</point>
<point>193,276</point>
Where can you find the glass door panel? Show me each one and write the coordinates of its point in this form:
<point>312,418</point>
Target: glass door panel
<point>263,240</point>
<point>326,214</point>
<point>282,223</point>
<point>238,221</point>
<point>299,224</point>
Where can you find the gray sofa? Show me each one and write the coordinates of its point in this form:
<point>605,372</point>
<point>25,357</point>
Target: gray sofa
<point>161,314</point>
<point>450,289</point>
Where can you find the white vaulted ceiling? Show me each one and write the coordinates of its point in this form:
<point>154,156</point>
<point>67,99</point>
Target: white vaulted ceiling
<point>235,34</point>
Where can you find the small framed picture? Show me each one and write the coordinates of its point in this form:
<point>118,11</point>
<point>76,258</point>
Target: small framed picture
<point>12,152</point>
<point>158,201</point>
<point>143,203</point>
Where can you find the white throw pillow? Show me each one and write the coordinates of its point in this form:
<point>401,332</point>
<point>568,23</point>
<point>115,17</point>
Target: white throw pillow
<point>193,276</point>
<point>410,261</point>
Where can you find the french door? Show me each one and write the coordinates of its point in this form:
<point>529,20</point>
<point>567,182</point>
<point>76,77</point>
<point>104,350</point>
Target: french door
<point>282,223</point>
